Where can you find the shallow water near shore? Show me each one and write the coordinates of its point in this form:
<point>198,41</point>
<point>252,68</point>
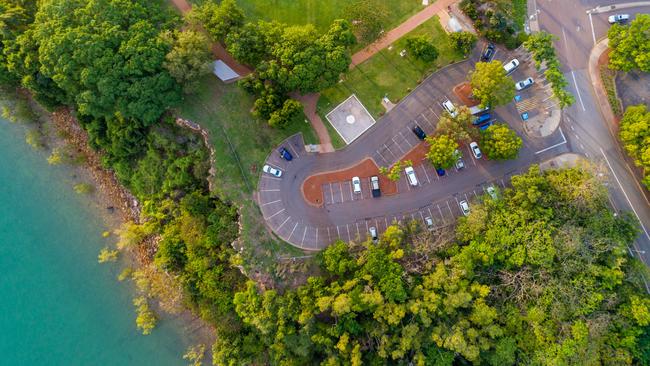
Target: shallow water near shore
<point>58,306</point>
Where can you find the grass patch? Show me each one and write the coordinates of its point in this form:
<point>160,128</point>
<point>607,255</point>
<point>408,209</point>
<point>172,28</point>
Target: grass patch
<point>519,13</point>
<point>608,76</point>
<point>389,74</point>
<point>242,144</point>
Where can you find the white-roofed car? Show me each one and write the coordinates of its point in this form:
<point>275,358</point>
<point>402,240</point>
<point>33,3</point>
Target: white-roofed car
<point>429,222</point>
<point>618,18</point>
<point>410,175</point>
<point>511,66</point>
<point>271,170</point>
<point>356,184</point>
<point>523,84</point>
<point>464,206</point>
<point>492,192</point>
<point>373,234</point>
<point>450,108</point>
<point>475,150</point>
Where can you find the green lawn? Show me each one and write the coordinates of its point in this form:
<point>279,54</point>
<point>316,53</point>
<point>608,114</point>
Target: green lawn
<point>519,13</point>
<point>242,145</point>
<point>387,73</point>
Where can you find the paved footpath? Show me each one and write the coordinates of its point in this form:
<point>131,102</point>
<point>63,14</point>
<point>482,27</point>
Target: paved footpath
<point>402,29</point>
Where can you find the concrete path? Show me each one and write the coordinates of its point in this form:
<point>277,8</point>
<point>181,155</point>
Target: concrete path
<point>309,103</point>
<point>402,29</point>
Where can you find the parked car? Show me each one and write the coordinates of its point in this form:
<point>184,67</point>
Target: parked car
<point>419,132</point>
<point>373,234</point>
<point>285,154</point>
<point>429,222</point>
<point>492,192</point>
<point>464,206</point>
<point>271,170</point>
<point>356,185</point>
<point>482,118</point>
<point>486,125</point>
<point>410,175</point>
<point>441,172</point>
<point>475,150</point>
<point>511,66</point>
<point>488,53</point>
<point>460,164</point>
<point>450,108</point>
<point>374,185</point>
<point>478,110</point>
<point>523,84</point>
<point>618,18</point>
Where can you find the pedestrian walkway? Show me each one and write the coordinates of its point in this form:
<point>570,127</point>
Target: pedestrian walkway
<point>398,32</point>
<point>309,103</point>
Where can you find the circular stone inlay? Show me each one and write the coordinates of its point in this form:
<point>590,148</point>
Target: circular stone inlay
<point>350,119</point>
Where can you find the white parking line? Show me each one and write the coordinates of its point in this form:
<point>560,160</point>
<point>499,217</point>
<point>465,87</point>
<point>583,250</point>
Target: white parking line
<point>316,234</point>
<point>472,155</point>
<point>421,215</point>
<point>449,207</point>
<point>434,113</point>
<point>358,233</point>
<point>272,216</point>
<point>341,190</point>
<point>332,192</point>
<point>348,227</point>
<point>382,156</point>
<point>294,150</point>
<point>269,190</point>
<point>430,215</point>
<point>329,236</point>
<point>282,224</point>
<point>578,91</point>
<point>367,225</point>
<point>503,183</point>
<point>593,34</point>
<point>338,233</point>
<point>425,173</point>
<point>427,120</point>
<point>441,215</point>
<point>475,195</point>
<point>394,156</point>
<point>407,141</point>
<point>351,193</point>
<point>268,203</point>
<point>564,141</point>
<point>386,221</point>
<point>303,236</point>
<point>270,177</point>
<point>294,229</point>
<point>395,142</point>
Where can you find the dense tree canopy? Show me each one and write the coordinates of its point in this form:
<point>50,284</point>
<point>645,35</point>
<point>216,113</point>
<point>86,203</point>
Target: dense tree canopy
<point>458,128</point>
<point>500,142</point>
<point>540,276</point>
<point>189,59</point>
<point>634,132</point>
<point>422,47</point>
<point>491,85</point>
<point>442,151</point>
<point>218,19</point>
<point>463,41</point>
<point>630,45</point>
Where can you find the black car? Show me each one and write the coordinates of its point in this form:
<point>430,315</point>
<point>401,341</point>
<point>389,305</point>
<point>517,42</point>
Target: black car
<point>488,53</point>
<point>285,154</point>
<point>419,133</point>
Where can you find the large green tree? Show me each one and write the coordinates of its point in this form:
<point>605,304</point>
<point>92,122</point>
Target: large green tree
<point>463,41</point>
<point>442,151</point>
<point>634,132</point>
<point>491,85</point>
<point>119,69</point>
<point>458,128</point>
<point>189,59</point>
<point>218,19</point>
<point>422,47</point>
<point>500,142</point>
<point>15,18</point>
<point>630,45</point>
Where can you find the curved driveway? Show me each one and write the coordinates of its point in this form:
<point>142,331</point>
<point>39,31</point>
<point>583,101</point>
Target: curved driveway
<point>348,216</point>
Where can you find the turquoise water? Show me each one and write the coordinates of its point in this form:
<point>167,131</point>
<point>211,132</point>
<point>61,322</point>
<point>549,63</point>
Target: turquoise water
<point>58,306</point>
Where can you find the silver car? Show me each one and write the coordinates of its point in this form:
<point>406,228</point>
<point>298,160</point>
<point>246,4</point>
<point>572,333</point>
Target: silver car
<point>523,84</point>
<point>356,185</point>
<point>464,206</point>
<point>271,170</point>
<point>373,234</point>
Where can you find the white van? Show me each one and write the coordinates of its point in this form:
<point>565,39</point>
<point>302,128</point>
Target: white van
<point>450,108</point>
<point>511,66</point>
<point>410,174</point>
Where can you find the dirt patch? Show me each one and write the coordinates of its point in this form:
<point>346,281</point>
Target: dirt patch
<point>312,189</point>
<point>464,92</point>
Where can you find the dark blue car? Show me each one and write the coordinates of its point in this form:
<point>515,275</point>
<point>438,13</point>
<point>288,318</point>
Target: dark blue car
<point>485,126</point>
<point>441,172</point>
<point>285,154</point>
<point>482,118</point>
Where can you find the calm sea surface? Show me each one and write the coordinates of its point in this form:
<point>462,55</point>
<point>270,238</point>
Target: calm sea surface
<point>58,306</point>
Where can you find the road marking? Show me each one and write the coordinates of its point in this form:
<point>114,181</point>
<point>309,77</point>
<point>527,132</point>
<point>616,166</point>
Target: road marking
<point>358,233</point>
<point>294,229</point>
<point>449,207</point>
<point>316,234</point>
<point>367,225</point>
<point>351,192</point>
<point>472,155</point>
<point>390,151</point>
<point>282,224</point>
<point>382,156</point>
<point>625,194</point>
<point>341,190</point>
<point>269,190</point>
<point>268,203</point>
<point>582,146</point>
<point>294,150</point>
<point>331,192</point>
<point>578,91</point>
<point>272,216</point>
<point>572,128</point>
<point>441,215</point>
<point>386,221</point>
<point>329,237</point>
<point>269,177</point>
<point>303,236</point>
<point>396,144</point>
<point>348,228</point>
<point>475,195</point>
<point>503,183</point>
<point>434,113</point>
<point>564,141</point>
<point>593,34</point>
<point>407,141</point>
<point>425,173</point>
<point>577,137</point>
<point>428,121</point>
<point>338,233</point>
<point>421,215</point>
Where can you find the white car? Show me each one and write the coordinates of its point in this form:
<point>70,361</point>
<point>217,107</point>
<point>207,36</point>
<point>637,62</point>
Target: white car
<point>618,18</point>
<point>373,234</point>
<point>271,170</point>
<point>429,222</point>
<point>356,185</point>
<point>523,84</point>
<point>460,164</point>
<point>511,66</point>
<point>410,174</point>
<point>450,108</point>
<point>492,192</point>
<point>464,206</point>
<point>475,150</point>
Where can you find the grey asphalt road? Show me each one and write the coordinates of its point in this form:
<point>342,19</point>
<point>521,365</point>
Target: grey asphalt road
<point>587,131</point>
